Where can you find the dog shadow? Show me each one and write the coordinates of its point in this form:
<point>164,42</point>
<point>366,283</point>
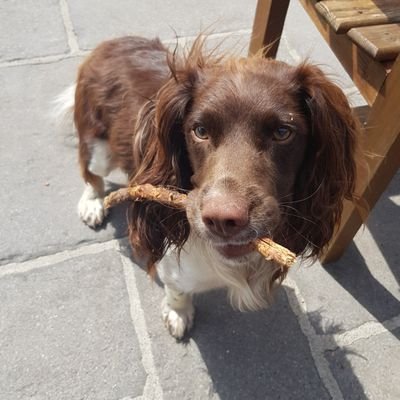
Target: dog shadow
<point>259,355</point>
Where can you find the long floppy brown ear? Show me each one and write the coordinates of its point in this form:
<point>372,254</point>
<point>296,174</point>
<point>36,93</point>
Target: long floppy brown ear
<point>161,158</point>
<point>328,173</point>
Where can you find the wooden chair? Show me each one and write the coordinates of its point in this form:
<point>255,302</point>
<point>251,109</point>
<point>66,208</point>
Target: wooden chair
<point>365,37</point>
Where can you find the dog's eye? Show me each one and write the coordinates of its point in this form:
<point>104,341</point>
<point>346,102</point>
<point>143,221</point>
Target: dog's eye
<point>282,133</point>
<point>200,132</point>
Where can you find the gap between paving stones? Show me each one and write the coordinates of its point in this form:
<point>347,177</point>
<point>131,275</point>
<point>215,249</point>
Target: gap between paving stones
<point>50,259</point>
<point>69,27</point>
<point>74,44</point>
<point>327,341</point>
<point>180,41</point>
<point>292,52</point>
<point>318,343</point>
<point>152,389</point>
<point>42,60</point>
<point>364,331</point>
<point>298,306</point>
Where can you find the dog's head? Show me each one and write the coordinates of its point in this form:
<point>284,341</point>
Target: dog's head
<point>265,149</point>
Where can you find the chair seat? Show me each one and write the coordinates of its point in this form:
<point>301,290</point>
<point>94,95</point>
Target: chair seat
<point>381,42</point>
<point>344,15</point>
<point>374,25</point>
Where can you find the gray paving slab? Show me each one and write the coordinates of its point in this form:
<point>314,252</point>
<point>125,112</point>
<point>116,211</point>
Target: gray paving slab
<point>383,225</point>
<point>231,355</point>
<point>31,28</point>
<point>369,368</point>
<point>66,332</point>
<point>307,42</point>
<point>364,284</point>
<point>39,167</point>
<point>93,24</point>
<point>235,44</point>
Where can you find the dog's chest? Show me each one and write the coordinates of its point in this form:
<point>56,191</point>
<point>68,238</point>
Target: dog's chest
<point>193,272</point>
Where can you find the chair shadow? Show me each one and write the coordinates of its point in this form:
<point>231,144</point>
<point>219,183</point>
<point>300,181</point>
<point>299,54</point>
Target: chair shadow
<point>259,355</point>
<point>385,228</point>
<point>355,273</point>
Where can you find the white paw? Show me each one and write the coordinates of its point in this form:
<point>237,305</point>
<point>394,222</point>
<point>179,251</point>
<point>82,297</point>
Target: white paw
<point>91,211</point>
<point>177,321</point>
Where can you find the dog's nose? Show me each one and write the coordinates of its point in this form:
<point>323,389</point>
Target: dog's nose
<point>225,216</point>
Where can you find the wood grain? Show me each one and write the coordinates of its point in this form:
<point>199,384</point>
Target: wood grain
<point>381,145</point>
<point>367,74</point>
<point>382,42</point>
<point>343,15</point>
<point>267,27</point>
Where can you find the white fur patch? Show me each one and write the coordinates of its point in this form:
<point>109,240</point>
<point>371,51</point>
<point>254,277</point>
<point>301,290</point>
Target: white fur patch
<point>100,160</point>
<point>63,104</point>
<point>118,177</point>
<point>177,312</point>
<point>201,268</point>
<point>90,207</point>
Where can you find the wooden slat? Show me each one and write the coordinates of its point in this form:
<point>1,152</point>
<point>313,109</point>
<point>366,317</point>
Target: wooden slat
<point>367,74</point>
<point>381,145</point>
<point>343,15</point>
<point>382,42</point>
<point>267,27</point>
<point>362,113</point>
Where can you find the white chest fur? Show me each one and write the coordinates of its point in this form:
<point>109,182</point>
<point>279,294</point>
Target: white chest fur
<point>200,268</point>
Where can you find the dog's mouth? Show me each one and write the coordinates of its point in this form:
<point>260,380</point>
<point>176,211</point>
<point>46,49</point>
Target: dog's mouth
<point>234,250</point>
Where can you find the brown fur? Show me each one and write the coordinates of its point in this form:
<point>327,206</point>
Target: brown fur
<point>146,102</point>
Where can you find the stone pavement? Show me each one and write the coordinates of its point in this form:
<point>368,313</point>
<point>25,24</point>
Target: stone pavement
<point>78,320</point>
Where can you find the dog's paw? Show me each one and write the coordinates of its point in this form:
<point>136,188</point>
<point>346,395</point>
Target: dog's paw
<point>177,321</point>
<point>91,211</point>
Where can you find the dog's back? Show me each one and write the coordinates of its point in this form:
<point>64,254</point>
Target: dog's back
<point>112,85</point>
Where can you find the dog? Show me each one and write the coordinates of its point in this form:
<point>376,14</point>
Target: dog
<point>261,147</point>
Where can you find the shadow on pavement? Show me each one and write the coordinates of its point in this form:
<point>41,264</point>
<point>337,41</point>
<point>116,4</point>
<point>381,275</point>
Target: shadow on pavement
<point>259,355</point>
<point>365,284</point>
<point>265,354</point>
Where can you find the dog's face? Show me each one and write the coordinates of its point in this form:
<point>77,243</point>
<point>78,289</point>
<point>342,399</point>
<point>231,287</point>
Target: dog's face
<point>264,148</point>
<point>246,135</point>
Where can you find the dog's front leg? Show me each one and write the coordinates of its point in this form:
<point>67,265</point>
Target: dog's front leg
<point>177,312</point>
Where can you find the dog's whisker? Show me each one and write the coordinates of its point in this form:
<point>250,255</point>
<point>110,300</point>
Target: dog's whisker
<point>298,216</point>
<point>306,198</point>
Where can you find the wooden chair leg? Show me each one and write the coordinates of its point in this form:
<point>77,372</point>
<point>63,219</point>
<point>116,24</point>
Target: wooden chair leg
<point>268,25</point>
<point>382,148</point>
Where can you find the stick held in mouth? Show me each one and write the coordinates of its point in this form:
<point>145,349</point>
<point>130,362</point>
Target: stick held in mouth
<point>265,246</point>
<point>147,192</point>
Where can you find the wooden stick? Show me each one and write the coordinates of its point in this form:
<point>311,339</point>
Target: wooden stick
<point>265,246</point>
<point>275,252</point>
<point>148,192</point>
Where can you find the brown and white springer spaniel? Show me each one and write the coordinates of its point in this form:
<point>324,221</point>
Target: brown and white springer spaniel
<point>262,148</point>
